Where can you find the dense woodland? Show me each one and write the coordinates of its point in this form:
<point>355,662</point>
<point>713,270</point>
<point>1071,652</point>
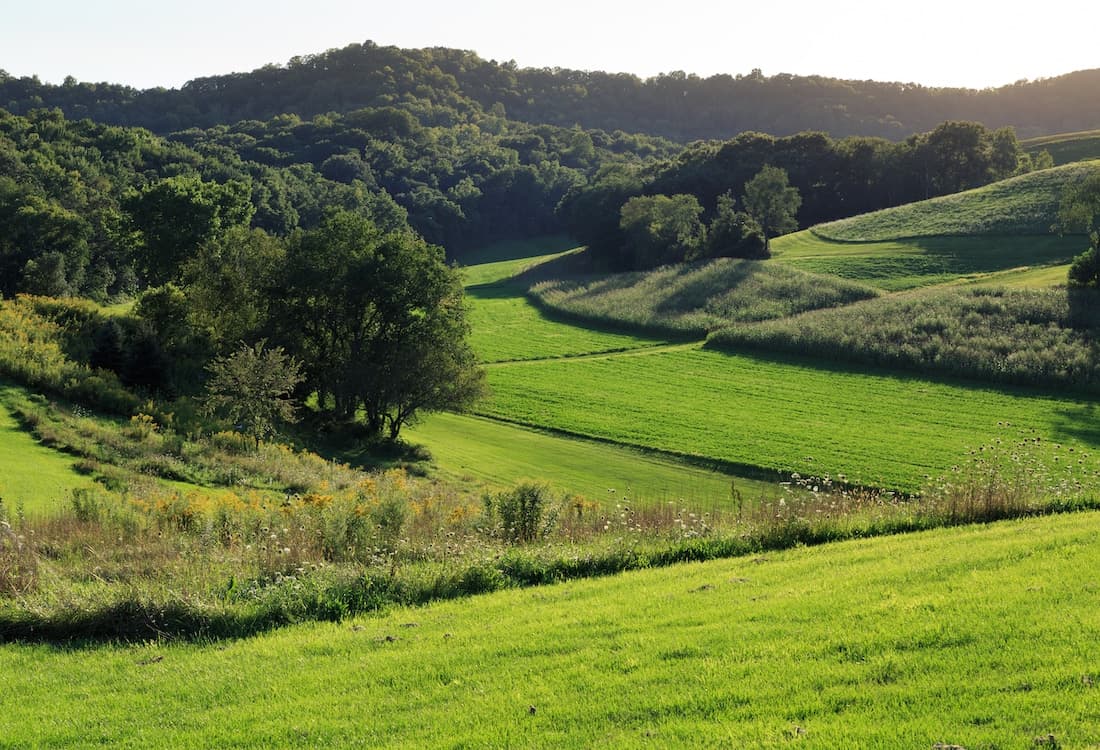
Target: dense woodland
<point>675,105</point>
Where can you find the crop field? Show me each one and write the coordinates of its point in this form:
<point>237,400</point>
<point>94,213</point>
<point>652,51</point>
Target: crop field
<point>777,415</point>
<point>1021,205</point>
<point>32,477</point>
<point>979,636</point>
<point>895,265</point>
<point>1066,148</point>
<point>498,454</point>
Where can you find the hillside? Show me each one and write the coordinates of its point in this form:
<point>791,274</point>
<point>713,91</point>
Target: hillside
<point>676,105</point>
<point>1066,148</point>
<point>939,637</point>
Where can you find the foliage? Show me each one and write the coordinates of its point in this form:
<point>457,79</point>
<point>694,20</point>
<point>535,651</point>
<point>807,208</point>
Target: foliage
<point>1080,210</point>
<point>252,386</point>
<point>451,85</point>
<point>378,319</point>
<point>694,298</point>
<point>772,202</point>
<point>1043,338</point>
<point>524,512</point>
<point>662,229</point>
<point>733,233</point>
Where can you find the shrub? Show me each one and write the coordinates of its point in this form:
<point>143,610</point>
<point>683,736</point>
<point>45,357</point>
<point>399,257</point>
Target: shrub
<point>524,512</point>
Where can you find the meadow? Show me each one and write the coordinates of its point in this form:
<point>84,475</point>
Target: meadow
<point>469,448</point>
<point>1066,148</point>
<point>771,415</point>
<point>692,299</point>
<point>1017,206</point>
<point>979,636</point>
<point>900,264</point>
<point>1046,338</point>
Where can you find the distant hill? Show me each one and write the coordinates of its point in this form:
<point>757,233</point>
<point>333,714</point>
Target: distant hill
<point>676,105</point>
<point>1066,148</point>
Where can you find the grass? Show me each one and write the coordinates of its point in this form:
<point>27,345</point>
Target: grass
<point>979,636</point>
<point>506,327</point>
<point>1046,338</point>
<point>692,299</point>
<point>1066,148</point>
<point>1024,205</point>
<point>900,264</point>
<point>777,415</point>
<point>32,476</point>
<point>499,455</point>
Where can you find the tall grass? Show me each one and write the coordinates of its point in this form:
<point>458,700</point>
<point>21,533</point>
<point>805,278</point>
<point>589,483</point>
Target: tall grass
<point>34,332</point>
<point>198,565</point>
<point>691,299</point>
<point>1046,338</point>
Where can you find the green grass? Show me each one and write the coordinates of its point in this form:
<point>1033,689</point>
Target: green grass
<point>895,265</point>
<point>1066,148</point>
<point>499,455</point>
<point>1045,338</point>
<point>1024,205</point>
<point>32,476</point>
<point>780,414</point>
<point>695,298</point>
<point>505,327</point>
<point>980,636</point>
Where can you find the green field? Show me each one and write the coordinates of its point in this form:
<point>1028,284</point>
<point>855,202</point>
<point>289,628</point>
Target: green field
<point>497,454</point>
<point>981,636</point>
<point>1066,148</point>
<point>505,326</point>
<point>32,476</point>
<point>780,415</point>
<point>895,265</point>
<point>1024,205</point>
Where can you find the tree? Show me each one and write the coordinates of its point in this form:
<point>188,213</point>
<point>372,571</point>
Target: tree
<point>1080,210</point>
<point>252,387</point>
<point>176,215</point>
<point>379,318</point>
<point>662,229</point>
<point>733,233</point>
<point>773,203</point>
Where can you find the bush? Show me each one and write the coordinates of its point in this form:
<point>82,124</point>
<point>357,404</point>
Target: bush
<point>523,512</point>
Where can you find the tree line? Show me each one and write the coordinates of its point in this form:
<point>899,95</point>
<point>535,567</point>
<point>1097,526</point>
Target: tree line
<point>832,179</point>
<point>675,105</point>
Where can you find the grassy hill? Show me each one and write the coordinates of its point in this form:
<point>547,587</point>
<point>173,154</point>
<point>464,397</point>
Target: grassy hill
<point>1002,230</point>
<point>980,636</point>
<point>1066,148</point>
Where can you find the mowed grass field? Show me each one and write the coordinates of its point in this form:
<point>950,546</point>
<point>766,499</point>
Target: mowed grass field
<point>777,414</point>
<point>33,478</point>
<point>980,636</point>
<point>497,454</point>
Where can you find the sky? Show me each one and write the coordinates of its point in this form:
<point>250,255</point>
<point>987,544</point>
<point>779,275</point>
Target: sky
<point>967,43</point>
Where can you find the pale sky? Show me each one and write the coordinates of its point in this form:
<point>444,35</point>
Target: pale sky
<point>148,43</point>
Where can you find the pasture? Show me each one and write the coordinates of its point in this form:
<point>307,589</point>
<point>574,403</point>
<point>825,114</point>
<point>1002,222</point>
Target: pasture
<point>1024,205</point>
<point>899,264</point>
<point>33,478</point>
<point>773,415</point>
<point>497,454</point>
<point>979,636</point>
<point>1066,148</point>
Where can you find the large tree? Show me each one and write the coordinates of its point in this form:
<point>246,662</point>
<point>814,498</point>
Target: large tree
<point>176,215</point>
<point>252,388</point>
<point>379,319</point>
<point>772,202</point>
<point>662,229</point>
